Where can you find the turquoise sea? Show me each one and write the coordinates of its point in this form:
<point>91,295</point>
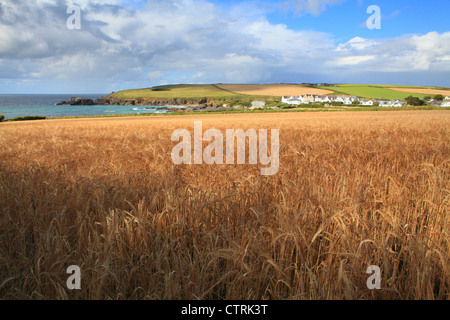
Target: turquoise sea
<point>19,105</point>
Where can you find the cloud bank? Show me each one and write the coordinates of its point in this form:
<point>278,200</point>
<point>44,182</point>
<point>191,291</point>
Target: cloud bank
<point>192,41</point>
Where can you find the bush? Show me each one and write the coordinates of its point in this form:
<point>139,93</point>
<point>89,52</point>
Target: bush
<point>27,118</point>
<point>247,104</point>
<point>439,97</point>
<point>2,117</point>
<point>414,101</point>
<point>273,104</point>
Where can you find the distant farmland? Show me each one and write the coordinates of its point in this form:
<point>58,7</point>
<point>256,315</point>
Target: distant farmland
<point>229,91</point>
<point>248,92</point>
<point>423,91</point>
<point>273,89</point>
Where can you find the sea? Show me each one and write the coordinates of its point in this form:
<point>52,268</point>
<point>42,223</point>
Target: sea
<point>19,105</point>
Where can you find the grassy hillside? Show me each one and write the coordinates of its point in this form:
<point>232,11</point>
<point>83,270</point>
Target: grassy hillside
<point>179,91</point>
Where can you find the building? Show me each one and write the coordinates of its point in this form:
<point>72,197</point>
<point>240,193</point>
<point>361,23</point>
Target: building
<point>397,103</point>
<point>445,103</point>
<point>346,100</point>
<point>308,99</point>
<point>258,104</point>
<point>291,100</point>
<point>385,103</point>
<point>367,102</point>
<point>339,99</point>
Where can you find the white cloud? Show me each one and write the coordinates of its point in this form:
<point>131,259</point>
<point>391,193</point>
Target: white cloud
<point>409,53</point>
<point>156,75</point>
<point>118,47</point>
<point>353,60</point>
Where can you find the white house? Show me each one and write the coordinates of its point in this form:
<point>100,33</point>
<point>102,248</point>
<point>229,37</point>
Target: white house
<point>258,104</point>
<point>397,103</point>
<point>322,99</point>
<point>286,99</point>
<point>340,99</point>
<point>445,103</point>
<point>326,99</point>
<point>291,100</point>
<point>349,99</point>
<point>385,103</point>
<point>367,102</point>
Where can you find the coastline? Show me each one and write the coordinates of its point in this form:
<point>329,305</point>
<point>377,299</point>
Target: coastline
<point>230,112</point>
<point>138,106</point>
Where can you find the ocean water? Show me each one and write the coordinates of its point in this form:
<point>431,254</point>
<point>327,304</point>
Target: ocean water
<point>19,105</point>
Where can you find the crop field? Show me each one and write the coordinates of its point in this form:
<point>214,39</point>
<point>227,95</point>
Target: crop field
<point>354,189</point>
<point>376,92</point>
<point>273,89</point>
<point>423,91</point>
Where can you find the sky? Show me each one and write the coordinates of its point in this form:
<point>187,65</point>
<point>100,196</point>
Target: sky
<point>125,44</point>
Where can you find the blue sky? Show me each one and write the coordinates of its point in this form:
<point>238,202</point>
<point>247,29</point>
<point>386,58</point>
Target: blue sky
<point>344,19</point>
<point>136,43</point>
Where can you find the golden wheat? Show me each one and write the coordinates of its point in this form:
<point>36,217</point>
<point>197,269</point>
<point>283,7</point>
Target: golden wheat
<point>273,89</point>
<point>353,190</point>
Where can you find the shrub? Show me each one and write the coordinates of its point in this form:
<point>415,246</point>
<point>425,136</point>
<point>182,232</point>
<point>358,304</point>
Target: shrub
<point>414,101</point>
<point>287,106</point>
<point>247,104</point>
<point>2,117</point>
<point>27,118</point>
<point>273,104</point>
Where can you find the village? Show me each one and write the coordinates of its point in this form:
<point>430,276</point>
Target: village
<point>351,100</point>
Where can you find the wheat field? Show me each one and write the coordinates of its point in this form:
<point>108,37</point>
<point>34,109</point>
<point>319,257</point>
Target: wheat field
<point>273,89</point>
<point>354,189</point>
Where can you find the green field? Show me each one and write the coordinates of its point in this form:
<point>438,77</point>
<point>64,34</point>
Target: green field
<point>375,91</point>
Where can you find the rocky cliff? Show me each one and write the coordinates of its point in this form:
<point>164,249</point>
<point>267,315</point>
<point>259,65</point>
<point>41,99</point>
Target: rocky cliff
<point>189,104</point>
<point>112,99</point>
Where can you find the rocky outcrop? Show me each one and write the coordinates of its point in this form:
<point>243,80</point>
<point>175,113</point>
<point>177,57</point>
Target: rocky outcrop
<point>76,101</point>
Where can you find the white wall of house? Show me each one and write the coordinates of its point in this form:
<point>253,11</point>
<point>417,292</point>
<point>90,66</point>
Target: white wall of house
<point>258,104</point>
<point>445,103</point>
